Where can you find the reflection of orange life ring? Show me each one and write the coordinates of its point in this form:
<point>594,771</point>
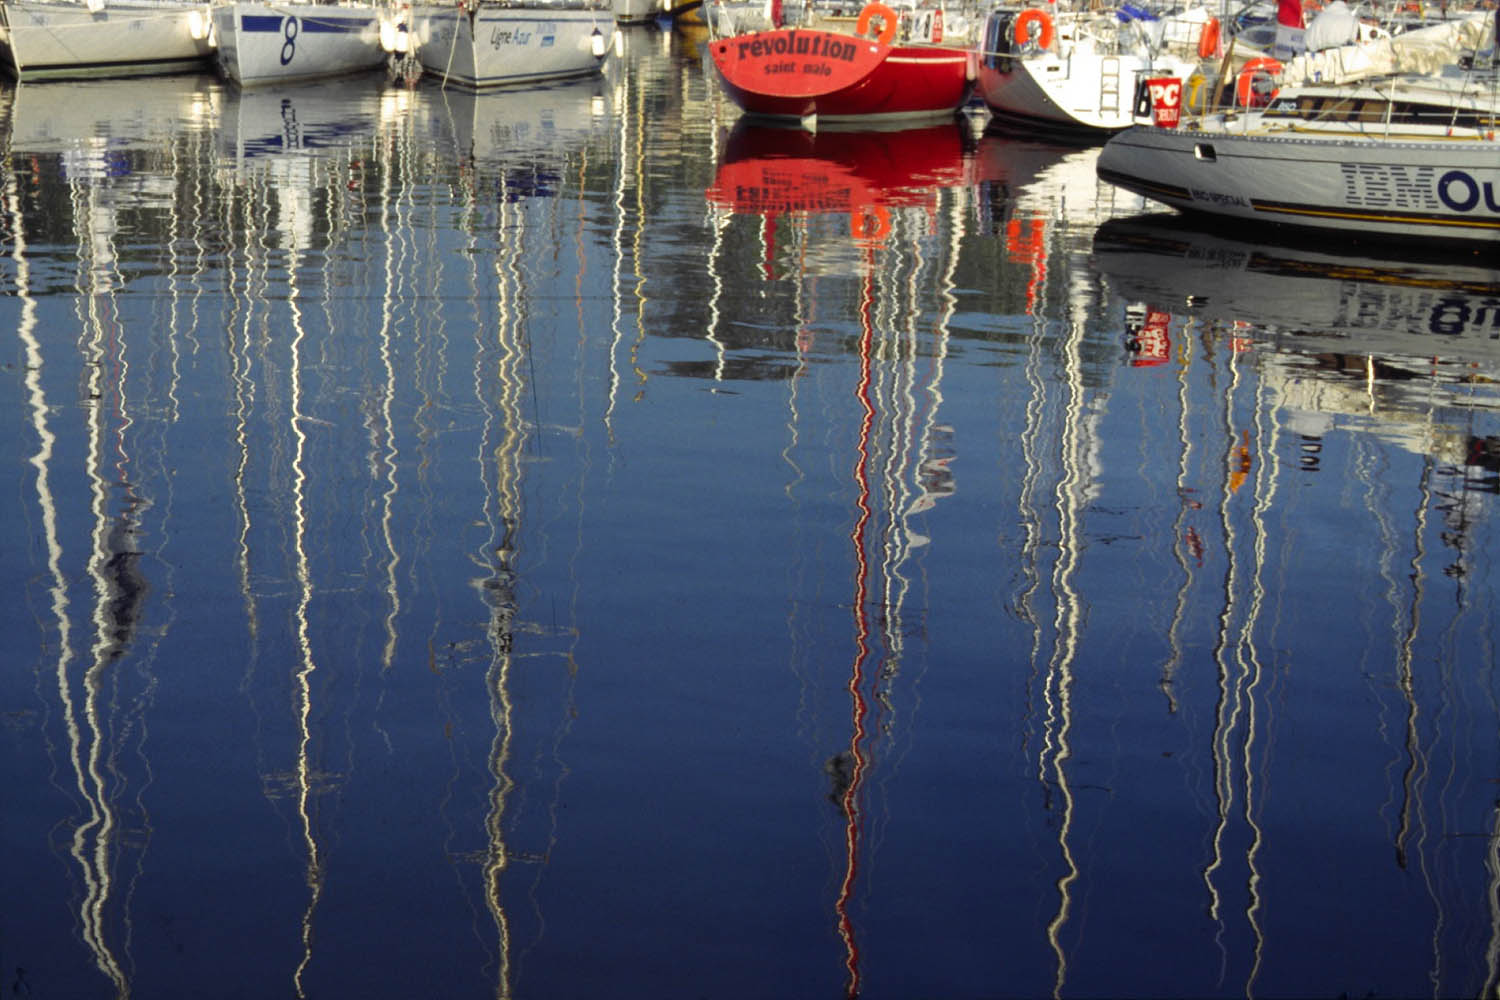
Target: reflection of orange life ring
<point>1244,86</point>
<point>887,22</point>
<point>1021,27</point>
<point>1208,39</point>
<point>873,223</point>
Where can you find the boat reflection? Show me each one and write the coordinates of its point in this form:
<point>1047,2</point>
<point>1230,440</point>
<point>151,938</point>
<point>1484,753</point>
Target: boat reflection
<point>124,114</point>
<point>86,169</point>
<point>493,128</point>
<point>328,196</point>
<point>903,195</point>
<point>1026,179</point>
<point>305,119</point>
<point>1388,299</point>
<point>769,171</point>
<point>1297,372</point>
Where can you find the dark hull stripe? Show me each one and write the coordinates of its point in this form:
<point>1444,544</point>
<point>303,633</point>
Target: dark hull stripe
<point>143,67</point>
<point>271,24</point>
<point>1151,189</point>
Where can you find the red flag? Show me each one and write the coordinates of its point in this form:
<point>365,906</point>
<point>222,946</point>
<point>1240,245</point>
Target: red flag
<point>1288,29</point>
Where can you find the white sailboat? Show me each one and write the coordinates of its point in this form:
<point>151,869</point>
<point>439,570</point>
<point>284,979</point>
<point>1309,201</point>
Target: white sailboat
<point>1084,69</point>
<point>1395,137</point>
<point>70,39</point>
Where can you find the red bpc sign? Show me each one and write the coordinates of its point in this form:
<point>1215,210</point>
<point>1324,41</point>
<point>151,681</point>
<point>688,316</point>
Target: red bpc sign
<point>1166,100</point>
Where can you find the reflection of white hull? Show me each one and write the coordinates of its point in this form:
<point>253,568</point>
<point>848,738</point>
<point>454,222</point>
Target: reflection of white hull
<point>309,117</point>
<point>263,43</point>
<point>505,125</point>
<point>41,39</point>
<point>497,46</point>
<point>1392,187</point>
<point>635,11</point>
<point>1360,301</point>
<point>107,117</point>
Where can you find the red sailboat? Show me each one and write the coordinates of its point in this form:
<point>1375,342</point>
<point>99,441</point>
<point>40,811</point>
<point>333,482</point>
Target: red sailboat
<point>879,66</point>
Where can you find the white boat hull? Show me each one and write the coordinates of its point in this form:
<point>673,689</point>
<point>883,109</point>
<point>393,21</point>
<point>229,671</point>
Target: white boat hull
<point>1084,93</point>
<point>1443,189</point>
<point>40,39</point>
<point>264,43</point>
<point>500,46</point>
<point>1087,77</point>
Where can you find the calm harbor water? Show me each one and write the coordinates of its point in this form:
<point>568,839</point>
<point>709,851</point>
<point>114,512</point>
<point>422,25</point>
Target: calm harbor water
<point>568,543</point>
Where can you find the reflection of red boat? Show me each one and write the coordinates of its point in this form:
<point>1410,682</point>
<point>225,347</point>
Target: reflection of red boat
<point>768,170</point>
<point>836,75</point>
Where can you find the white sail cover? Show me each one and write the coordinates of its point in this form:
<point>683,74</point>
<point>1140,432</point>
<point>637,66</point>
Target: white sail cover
<point>1422,50</point>
<point>1335,25</point>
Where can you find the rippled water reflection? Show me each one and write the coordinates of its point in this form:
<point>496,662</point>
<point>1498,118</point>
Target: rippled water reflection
<point>568,543</point>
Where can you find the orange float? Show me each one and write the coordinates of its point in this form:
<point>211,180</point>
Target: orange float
<point>887,22</point>
<point>1021,28</point>
<point>1244,85</point>
<point>1208,39</point>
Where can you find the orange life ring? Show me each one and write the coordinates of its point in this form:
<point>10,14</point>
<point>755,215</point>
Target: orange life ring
<point>1208,39</point>
<point>887,22</point>
<point>1244,85</point>
<point>1021,27</point>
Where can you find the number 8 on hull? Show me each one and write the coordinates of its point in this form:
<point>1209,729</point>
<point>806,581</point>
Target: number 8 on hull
<point>264,43</point>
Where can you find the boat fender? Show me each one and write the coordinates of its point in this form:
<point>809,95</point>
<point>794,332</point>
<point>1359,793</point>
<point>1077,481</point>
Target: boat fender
<point>1195,94</point>
<point>1021,28</point>
<point>937,26</point>
<point>1208,39</point>
<point>887,22</point>
<point>1250,87</point>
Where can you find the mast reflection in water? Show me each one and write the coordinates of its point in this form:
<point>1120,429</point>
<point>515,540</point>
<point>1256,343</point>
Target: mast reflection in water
<point>573,542</point>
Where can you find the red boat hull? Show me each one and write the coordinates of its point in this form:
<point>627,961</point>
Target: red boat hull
<point>794,73</point>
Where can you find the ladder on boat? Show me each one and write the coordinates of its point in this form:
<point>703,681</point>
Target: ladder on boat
<point>1109,83</point>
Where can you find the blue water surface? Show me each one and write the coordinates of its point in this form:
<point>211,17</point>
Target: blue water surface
<point>570,543</point>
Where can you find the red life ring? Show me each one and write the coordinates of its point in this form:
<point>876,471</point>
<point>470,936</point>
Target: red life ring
<point>887,22</point>
<point>1208,39</point>
<point>1244,85</point>
<point>1021,27</point>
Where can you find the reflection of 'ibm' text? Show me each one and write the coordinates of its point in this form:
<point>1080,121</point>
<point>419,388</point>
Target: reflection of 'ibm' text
<point>1418,311</point>
<point>1377,185</point>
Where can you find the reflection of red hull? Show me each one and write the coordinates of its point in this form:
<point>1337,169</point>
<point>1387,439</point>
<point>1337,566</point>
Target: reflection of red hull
<point>767,170</point>
<point>793,73</point>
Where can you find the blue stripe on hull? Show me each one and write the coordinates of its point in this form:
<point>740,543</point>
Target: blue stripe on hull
<point>271,24</point>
